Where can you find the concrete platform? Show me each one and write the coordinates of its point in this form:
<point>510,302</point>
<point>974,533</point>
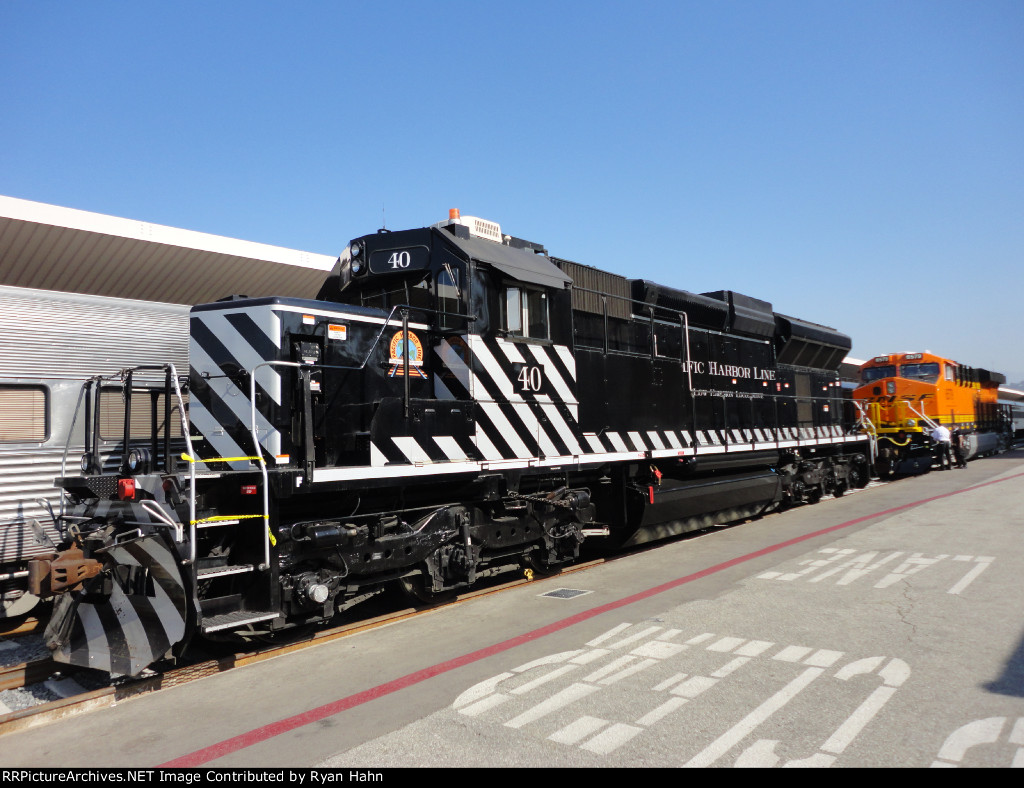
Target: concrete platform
<point>881,629</point>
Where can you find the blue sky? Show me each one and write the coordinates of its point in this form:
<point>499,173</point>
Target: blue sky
<point>858,164</point>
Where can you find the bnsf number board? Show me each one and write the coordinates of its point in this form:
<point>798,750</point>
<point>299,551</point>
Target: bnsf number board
<point>396,261</point>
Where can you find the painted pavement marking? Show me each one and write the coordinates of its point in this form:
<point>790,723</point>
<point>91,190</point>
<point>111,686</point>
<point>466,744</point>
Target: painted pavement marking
<point>570,707</point>
<point>851,568</point>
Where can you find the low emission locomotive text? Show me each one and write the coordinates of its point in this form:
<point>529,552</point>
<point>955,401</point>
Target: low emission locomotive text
<point>455,404</point>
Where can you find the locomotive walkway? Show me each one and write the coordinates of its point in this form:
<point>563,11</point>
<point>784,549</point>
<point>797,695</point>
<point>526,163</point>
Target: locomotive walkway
<point>881,629</point>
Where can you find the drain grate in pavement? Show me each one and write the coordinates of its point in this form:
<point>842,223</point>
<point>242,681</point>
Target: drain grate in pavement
<point>565,593</point>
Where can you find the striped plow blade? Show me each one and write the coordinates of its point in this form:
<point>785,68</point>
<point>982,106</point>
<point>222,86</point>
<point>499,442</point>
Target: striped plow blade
<point>135,624</point>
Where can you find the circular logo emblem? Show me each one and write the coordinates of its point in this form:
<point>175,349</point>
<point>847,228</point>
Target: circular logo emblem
<point>412,348</point>
<point>401,347</point>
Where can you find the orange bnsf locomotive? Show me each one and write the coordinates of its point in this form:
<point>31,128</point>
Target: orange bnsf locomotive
<point>906,395</point>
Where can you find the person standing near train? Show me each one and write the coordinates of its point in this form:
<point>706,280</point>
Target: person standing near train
<point>942,440</point>
<point>957,440</point>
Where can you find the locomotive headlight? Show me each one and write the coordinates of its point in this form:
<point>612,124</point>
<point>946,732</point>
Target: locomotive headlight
<point>354,249</point>
<point>86,463</point>
<point>357,266</point>
<point>138,460</point>
<point>911,422</point>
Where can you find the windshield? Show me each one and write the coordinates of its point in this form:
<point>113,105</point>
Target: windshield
<point>925,372</point>
<point>877,373</point>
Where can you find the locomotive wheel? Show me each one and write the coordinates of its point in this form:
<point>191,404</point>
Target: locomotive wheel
<point>416,589</point>
<point>531,562</point>
<point>794,495</point>
<point>859,477</point>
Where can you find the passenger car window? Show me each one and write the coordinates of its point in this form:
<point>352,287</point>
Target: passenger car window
<point>23,414</point>
<point>143,403</point>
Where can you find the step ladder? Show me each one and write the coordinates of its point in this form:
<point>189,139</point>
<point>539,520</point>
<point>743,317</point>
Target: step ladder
<point>234,603</point>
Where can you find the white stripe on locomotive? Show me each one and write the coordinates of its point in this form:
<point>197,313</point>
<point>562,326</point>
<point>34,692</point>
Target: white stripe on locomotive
<point>451,448</point>
<point>242,351</point>
<point>237,400</point>
<point>565,432</point>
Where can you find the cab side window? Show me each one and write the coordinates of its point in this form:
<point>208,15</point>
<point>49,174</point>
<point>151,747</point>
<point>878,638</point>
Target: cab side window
<point>419,295</point>
<point>526,313</point>
<point>448,302</point>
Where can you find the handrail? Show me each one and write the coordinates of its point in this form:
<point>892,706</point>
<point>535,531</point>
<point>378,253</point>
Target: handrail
<point>864,421</point>
<point>67,448</point>
<point>405,308</point>
<point>154,509</point>
<point>173,373</point>
<point>268,537</point>
<point>125,377</point>
<point>927,420</point>
<point>193,522</point>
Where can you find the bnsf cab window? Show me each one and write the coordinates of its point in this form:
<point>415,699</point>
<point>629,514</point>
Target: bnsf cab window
<point>23,414</point>
<point>526,313</point>
<point>877,373</point>
<point>926,372</point>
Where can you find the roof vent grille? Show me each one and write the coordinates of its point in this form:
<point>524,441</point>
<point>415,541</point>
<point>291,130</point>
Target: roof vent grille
<point>478,228</point>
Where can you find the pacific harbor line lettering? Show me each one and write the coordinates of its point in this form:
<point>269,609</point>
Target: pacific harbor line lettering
<point>729,370</point>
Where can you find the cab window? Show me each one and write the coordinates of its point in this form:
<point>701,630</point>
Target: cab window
<point>526,313</point>
<point>419,295</point>
<point>926,372</point>
<point>391,293</point>
<point>877,373</point>
<point>448,289</point>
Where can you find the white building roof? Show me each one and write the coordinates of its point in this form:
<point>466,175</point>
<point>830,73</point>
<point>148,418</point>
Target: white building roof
<point>53,248</point>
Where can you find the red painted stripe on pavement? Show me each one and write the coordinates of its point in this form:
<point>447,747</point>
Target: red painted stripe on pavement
<point>257,735</point>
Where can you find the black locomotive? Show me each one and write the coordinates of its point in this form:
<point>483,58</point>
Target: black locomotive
<point>456,403</point>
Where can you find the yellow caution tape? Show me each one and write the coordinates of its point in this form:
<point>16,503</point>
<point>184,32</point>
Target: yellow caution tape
<point>222,517</point>
<point>188,458</point>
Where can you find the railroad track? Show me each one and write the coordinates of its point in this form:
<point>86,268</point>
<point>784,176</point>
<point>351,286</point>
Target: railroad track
<point>18,676</point>
<point>41,670</point>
